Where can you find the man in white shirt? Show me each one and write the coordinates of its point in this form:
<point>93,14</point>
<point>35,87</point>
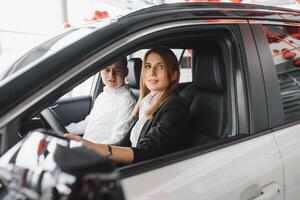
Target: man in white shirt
<point>107,120</point>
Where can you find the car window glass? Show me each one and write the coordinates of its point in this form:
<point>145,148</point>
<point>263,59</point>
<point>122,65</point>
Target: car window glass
<point>83,89</point>
<point>186,66</point>
<point>45,49</point>
<point>183,56</point>
<point>284,44</point>
<point>36,150</point>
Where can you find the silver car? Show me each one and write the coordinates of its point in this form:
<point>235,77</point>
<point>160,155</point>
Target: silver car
<point>240,75</point>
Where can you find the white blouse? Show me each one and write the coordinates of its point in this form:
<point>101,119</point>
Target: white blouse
<point>145,104</point>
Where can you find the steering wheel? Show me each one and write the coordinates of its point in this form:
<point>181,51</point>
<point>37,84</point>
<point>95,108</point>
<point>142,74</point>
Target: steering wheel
<point>49,116</point>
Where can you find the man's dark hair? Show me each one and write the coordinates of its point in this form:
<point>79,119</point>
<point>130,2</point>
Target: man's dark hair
<point>123,62</point>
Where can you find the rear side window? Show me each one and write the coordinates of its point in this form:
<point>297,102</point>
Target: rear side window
<point>185,64</point>
<point>284,42</point>
<point>184,57</point>
<point>83,89</point>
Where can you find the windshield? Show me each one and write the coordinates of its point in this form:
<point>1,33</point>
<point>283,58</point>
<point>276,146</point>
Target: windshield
<point>45,49</point>
<point>51,46</point>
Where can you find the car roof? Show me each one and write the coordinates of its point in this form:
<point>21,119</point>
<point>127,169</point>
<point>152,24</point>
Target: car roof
<point>218,10</point>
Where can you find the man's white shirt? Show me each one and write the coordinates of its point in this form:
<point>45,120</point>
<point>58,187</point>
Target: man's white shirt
<point>107,122</point>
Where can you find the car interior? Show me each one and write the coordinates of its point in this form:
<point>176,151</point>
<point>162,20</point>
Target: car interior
<point>206,95</point>
<point>203,56</point>
<point>133,78</point>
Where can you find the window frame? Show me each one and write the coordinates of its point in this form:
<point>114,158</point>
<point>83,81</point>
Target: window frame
<point>115,53</point>
<point>134,169</point>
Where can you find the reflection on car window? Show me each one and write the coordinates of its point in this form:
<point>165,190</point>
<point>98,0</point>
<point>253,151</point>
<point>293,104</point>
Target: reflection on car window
<point>47,48</point>
<point>184,58</point>
<point>284,44</point>
<point>83,89</point>
<point>37,150</point>
<point>185,62</point>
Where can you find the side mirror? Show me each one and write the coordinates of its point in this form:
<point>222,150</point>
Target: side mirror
<point>43,166</point>
<point>96,177</point>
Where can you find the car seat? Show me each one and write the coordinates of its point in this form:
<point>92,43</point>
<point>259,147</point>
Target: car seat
<point>207,97</point>
<point>133,78</point>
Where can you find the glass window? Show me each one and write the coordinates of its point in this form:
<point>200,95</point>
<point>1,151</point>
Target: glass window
<point>284,44</point>
<point>47,48</point>
<point>185,62</point>
<point>83,89</point>
<point>186,66</point>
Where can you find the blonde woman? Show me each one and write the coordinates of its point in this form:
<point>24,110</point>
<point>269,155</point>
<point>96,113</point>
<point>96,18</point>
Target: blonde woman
<point>160,116</point>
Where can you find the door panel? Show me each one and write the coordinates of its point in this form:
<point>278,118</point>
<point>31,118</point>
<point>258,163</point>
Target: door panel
<point>237,172</point>
<point>281,77</point>
<point>72,109</point>
<point>288,140</point>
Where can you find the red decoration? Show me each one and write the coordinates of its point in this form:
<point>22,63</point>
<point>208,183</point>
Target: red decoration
<point>67,25</point>
<point>273,38</point>
<point>287,54</point>
<point>293,31</point>
<point>212,1</point>
<point>276,51</point>
<point>105,14</point>
<point>42,146</point>
<point>97,14</point>
<point>236,1</point>
<point>296,62</point>
<point>296,36</point>
<point>100,15</point>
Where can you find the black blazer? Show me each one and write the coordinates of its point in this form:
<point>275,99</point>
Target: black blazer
<point>164,133</point>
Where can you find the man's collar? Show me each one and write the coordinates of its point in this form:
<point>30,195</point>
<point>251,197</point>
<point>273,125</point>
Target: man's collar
<point>114,90</point>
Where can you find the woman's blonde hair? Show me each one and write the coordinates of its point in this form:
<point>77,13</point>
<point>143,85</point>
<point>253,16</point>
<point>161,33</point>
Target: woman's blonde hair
<point>171,63</point>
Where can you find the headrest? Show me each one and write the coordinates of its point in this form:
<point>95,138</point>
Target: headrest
<point>210,70</point>
<point>134,71</point>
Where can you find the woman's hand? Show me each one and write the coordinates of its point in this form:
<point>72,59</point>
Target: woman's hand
<point>122,155</point>
<point>102,149</point>
<point>73,137</point>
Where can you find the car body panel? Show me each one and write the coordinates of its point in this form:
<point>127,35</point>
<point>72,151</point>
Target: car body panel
<point>286,134</point>
<point>236,173</point>
<point>288,140</point>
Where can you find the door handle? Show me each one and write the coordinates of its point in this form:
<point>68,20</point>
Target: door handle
<point>270,191</point>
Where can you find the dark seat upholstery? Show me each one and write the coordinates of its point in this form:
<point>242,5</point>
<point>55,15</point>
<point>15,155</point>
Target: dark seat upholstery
<point>133,77</point>
<point>207,97</point>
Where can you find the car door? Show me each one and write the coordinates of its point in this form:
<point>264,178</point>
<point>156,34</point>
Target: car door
<point>73,107</point>
<point>247,167</point>
<point>76,104</point>
<point>279,49</point>
<point>242,171</point>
